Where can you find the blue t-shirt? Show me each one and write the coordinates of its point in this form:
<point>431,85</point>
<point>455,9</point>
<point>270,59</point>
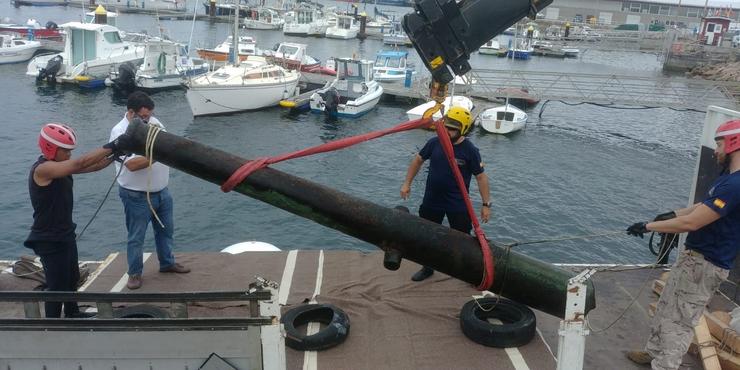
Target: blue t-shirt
<point>720,240</point>
<point>442,192</point>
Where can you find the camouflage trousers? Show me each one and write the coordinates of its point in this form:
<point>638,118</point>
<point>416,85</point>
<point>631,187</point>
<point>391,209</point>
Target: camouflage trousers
<point>692,282</point>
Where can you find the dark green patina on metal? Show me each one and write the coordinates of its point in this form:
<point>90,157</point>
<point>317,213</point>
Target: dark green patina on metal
<point>519,277</point>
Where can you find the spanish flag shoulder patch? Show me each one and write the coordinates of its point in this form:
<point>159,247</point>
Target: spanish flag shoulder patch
<point>719,203</point>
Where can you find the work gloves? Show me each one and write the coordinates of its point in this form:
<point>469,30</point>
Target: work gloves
<point>120,146</point>
<point>638,229</point>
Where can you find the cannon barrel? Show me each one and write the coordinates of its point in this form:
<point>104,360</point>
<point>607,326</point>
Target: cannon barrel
<point>519,277</point>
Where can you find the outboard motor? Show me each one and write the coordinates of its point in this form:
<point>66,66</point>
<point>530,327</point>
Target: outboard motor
<point>331,101</point>
<point>126,77</point>
<point>49,73</point>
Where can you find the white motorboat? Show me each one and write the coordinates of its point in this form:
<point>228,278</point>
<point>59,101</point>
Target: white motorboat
<point>305,21</point>
<point>264,19</point>
<point>458,101</point>
<point>247,48</point>
<point>91,51</point>
<point>293,56</point>
<point>345,28</point>
<point>252,84</point>
<point>396,36</point>
<point>570,52</point>
<point>391,66</point>
<point>503,120</point>
<point>16,50</point>
<point>491,47</point>
<point>353,93</point>
<point>166,65</point>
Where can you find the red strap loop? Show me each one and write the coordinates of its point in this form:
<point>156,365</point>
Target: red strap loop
<point>488,265</point>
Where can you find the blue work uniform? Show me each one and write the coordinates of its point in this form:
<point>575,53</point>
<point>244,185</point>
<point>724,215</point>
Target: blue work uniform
<point>442,195</point>
<point>719,241</point>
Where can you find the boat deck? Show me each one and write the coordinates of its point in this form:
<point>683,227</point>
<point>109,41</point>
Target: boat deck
<point>395,323</point>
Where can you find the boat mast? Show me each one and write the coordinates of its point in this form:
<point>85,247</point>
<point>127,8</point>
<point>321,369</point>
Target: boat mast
<point>234,54</point>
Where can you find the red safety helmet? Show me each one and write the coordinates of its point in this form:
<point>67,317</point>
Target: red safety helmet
<point>54,136</point>
<point>730,132</point>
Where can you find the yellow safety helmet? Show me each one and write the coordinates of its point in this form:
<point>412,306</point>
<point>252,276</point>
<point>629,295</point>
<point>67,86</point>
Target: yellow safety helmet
<point>460,119</point>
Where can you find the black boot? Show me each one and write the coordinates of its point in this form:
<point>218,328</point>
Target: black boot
<point>422,274</point>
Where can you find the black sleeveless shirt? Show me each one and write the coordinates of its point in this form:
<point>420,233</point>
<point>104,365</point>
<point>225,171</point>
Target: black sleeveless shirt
<point>52,209</point>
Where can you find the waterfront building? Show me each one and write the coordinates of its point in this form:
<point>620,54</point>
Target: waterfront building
<point>679,13</point>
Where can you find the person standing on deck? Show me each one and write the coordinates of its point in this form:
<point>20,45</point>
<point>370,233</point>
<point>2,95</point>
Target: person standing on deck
<point>712,243</point>
<point>138,183</point>
<point>52,235</point>
<point>442,196</point>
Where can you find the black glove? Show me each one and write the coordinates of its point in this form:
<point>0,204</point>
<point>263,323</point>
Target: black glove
<point>638,229</point>
<point>665,216</point>
<point>119,146</point>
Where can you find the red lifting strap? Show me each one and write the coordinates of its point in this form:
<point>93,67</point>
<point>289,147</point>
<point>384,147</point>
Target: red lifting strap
<point>488,264</point>
<point>245,170</point>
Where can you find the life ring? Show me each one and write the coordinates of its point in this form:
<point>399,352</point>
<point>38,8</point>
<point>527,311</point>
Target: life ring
<point>335,332</point>
<point>518,328</point>
<point>141,311</point>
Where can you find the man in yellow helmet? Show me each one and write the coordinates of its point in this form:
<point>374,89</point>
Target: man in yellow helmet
<point>442,196</point>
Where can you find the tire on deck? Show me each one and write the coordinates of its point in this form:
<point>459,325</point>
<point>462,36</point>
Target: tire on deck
<point>518,328</point>
<point>141,311</point>
<point>335,332</point>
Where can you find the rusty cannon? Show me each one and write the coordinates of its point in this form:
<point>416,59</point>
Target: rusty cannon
<point>401,235</point>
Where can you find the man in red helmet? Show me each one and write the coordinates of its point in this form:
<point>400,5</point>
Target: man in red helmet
<point>712,243</point>
<point>52,235</point>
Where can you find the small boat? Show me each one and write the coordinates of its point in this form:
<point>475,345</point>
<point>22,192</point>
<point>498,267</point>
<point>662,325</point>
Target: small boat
<point>492,47</point>
<point>570,52</point>
<point>345,28</point>
<point>305,21</point>
<point>247,48</point>
<point>166,65</point>
<point>503,120</point>
<point>293,56</point>
<point>511,31</point>
<point>396,36</point>
<point>252,84</point>
<point>521,50</point>
<point>91,51</point>
<point>40,2</point>
<point>16,50</point>
<point>392,66</point>
<point>458,101</point>
<point>226,7</point>
<point>50,31</point>
<point>263,19</point>
<point>353,93</point>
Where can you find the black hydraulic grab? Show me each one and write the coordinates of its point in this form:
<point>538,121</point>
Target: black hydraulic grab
<point>444,32</point>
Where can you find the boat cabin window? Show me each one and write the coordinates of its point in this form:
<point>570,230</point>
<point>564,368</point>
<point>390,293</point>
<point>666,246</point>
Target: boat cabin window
<point>393,63</point>
<point>287,50</point>
<point>505,116</point>
<point>19,42</point>
<point>276,73</point>
<point>350,71</point>
<point>112,37</point>
<point>344,22</point>
<point>253,76</point>
<point>305,17</point>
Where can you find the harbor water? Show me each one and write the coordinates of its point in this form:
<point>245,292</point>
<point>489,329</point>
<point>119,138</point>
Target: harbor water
<point>577,170</point>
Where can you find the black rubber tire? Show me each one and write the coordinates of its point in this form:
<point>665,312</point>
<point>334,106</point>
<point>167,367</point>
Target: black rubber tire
<point>141,311</point>
<point>335,332</point>
<point>518,328</point>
